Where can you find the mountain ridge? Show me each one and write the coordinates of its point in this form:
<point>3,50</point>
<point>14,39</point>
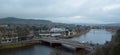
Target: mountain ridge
<point>14,20</point>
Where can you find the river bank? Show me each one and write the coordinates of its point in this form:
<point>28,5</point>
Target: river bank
<point>17,45</point>
<point>77,34</point>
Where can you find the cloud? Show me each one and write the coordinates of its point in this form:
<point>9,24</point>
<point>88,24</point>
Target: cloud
<point>111,7</point>
<point>74,11</point>
<point>78,19</point>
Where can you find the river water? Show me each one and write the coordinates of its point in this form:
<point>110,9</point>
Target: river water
<point>93,36</point>
<point>35,50</point>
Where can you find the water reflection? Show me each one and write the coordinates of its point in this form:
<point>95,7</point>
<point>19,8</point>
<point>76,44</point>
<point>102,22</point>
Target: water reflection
<point>35,50</point>
<point>60,52</point>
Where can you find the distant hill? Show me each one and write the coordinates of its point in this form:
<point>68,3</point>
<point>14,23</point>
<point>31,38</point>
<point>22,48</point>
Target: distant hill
<point>13,20</point>
<point>110,24</point>
<point>114,24</point>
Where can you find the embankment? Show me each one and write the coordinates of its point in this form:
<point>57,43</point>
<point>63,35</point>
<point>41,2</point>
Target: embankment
<point>16,45</point>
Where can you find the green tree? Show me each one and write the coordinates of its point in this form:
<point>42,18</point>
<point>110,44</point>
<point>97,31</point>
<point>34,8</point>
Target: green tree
<point>116,47</point>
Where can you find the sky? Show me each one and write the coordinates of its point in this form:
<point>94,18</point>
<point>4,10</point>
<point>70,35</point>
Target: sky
<point>63,11</point>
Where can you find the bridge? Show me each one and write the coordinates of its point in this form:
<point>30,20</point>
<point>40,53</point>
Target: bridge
<point>52,42</point>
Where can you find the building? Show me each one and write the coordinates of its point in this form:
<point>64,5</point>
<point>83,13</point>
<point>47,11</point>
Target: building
<point>57,30</point>
<point>43,33</point>
<point>54,32</point>
<point>9,39</point>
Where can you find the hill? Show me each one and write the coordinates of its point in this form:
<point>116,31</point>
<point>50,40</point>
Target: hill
<point>13,20</point>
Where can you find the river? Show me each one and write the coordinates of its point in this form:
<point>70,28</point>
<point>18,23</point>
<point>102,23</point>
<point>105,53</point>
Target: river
<point>93,36</point>
<point>35,50</point>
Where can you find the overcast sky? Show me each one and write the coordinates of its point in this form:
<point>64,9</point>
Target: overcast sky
<point>65,11</point>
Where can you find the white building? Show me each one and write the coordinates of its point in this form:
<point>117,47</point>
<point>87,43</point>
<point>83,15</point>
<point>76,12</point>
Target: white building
<point>54,32</point>
<point>57,29</point>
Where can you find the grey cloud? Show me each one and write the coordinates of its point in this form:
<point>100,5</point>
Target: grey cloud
<point>62,10</point>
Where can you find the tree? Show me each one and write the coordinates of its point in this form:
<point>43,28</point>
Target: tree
<point>115,50</point>
<point>116,47</point>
